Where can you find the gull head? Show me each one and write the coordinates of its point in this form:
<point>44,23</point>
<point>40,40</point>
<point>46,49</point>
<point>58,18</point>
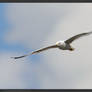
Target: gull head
<point>60,43</point>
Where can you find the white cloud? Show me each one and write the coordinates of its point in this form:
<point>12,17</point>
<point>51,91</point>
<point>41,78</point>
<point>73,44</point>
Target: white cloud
<point>37,25</point>
<point>72,69</point>
<point>32,23</point>
<point>12,73</point>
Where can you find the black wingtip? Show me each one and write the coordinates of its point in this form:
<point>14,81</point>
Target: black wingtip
<point>17,57</point>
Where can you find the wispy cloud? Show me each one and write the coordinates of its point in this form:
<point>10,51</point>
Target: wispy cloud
<point>38,25</point>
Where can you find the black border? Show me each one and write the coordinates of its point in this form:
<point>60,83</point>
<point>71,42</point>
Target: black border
<point>45,90</point>
<point>45,1</point>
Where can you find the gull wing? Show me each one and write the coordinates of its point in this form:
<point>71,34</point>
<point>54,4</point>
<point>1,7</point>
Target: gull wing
<point>70,40</point>
<point>37,51</point>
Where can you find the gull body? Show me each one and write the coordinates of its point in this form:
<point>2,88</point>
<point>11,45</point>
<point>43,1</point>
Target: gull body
<point>62,45</point>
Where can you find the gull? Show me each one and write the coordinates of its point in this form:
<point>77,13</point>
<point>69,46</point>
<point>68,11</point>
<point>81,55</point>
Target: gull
<point>62,45</point>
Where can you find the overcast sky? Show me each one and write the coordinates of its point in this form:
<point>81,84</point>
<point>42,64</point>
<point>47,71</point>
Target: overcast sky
<point>25,27</point>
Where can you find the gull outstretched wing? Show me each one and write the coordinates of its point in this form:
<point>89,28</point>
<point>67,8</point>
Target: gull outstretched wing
<point>37,51</point>
<point>70,40</point>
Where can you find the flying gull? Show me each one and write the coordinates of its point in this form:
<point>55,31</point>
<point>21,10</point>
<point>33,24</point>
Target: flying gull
<point>63,45</point>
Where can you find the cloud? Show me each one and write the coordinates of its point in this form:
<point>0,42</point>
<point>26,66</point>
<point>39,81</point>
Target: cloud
<point>39,25</point>
<point>33,22</point>
<point>12,73</point>
<point>72,69</point>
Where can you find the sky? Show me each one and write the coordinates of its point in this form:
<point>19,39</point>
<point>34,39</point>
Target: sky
<point>25,27</point>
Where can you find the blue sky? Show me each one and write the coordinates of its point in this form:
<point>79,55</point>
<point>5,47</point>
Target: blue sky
<point>5,27</point>
<point>25,27</point>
